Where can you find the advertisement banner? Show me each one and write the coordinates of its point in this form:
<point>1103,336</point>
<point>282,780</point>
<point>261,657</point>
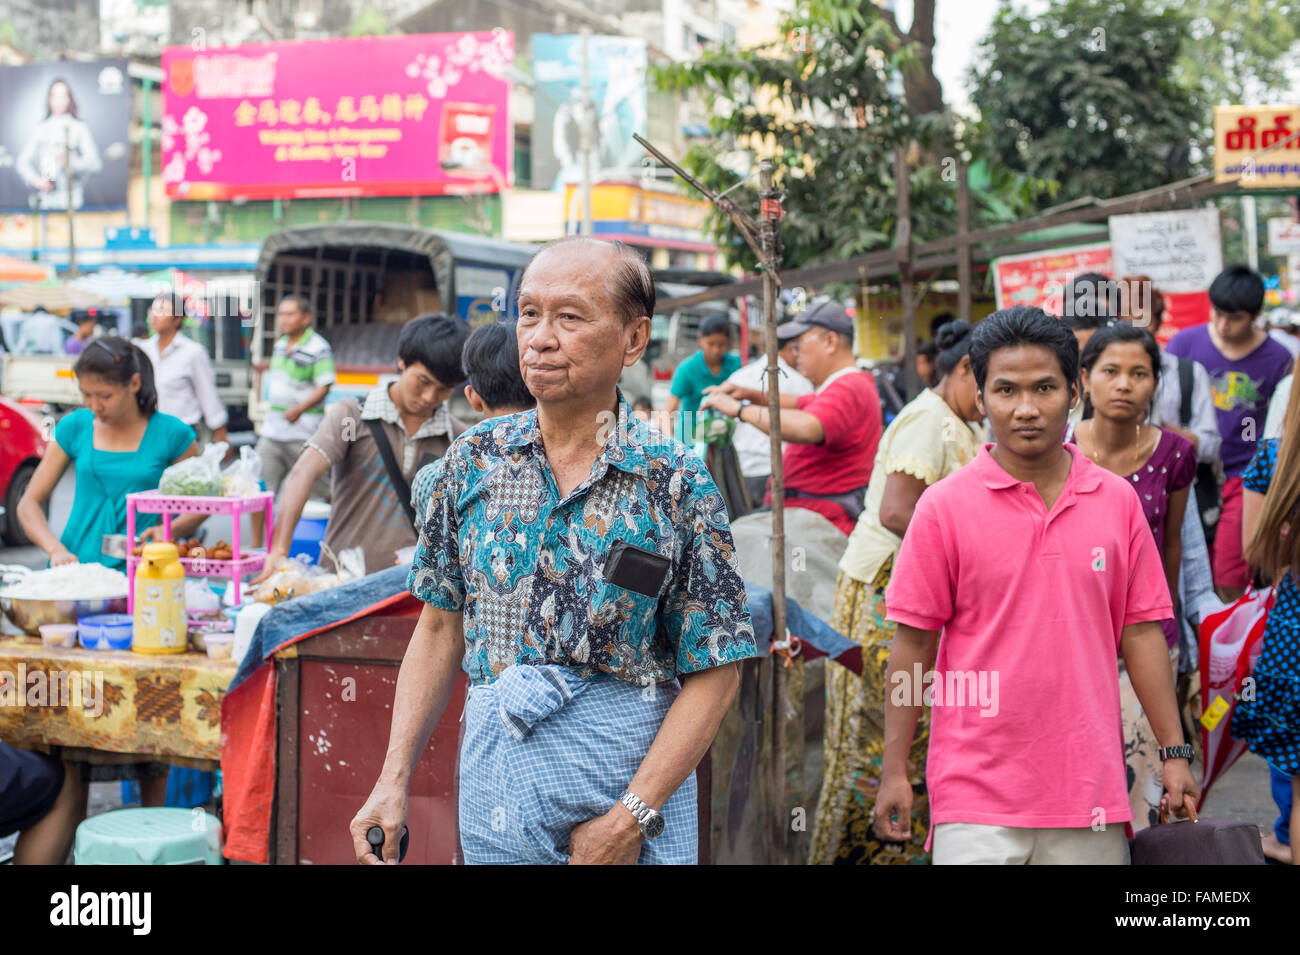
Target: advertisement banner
<point>63,136</point>
<point>367,116</point>
<point>648,217</point>
<point>1249,146</point>
<point>616,81</point>
<point>1179,251</point>
<point>1040,278</point>
<point>1283,237</point>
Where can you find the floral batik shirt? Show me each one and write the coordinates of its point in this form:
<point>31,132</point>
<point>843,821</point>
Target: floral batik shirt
<point>526,566</point>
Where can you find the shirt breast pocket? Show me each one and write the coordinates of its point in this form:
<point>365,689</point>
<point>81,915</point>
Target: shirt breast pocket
<point>632,581</point>
<point>622,617</point>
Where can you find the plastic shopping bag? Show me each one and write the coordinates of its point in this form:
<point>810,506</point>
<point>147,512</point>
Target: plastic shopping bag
<point>1230,644</point>
<point>243,477</point>
<point>196,477</point>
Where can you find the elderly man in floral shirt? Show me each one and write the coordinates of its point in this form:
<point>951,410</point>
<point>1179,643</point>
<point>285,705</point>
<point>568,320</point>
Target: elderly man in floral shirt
<point>580,567</point>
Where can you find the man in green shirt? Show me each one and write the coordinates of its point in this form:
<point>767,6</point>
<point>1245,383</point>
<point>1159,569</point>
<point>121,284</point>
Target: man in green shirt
<point>713,364</point>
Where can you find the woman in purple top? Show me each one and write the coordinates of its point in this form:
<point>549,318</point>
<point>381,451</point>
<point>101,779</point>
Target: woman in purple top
<point>1120,367</point>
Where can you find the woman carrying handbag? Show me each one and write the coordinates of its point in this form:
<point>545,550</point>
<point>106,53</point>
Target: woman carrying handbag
<point>1269,721</point>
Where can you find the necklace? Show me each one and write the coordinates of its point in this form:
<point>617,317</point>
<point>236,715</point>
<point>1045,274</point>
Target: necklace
<point>1137,447</point>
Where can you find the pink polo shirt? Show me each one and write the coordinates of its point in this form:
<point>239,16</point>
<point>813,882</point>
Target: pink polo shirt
<point>1025,718</point>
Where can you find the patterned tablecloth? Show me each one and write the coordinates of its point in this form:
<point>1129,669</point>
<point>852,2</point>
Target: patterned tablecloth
<point>112,701</point>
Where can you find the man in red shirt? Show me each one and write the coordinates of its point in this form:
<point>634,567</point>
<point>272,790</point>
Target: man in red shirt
<point>831,435</point>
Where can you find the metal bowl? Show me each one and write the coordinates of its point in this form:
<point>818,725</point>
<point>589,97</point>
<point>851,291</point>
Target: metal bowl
<point>30,614</point>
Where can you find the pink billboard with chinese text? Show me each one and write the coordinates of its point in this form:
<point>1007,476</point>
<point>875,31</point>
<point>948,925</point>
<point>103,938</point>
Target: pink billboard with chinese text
<point>366,116</point>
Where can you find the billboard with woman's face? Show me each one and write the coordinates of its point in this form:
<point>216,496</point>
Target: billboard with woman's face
<point>63,136</point>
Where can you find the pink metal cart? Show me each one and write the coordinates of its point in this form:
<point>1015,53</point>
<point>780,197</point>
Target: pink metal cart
<point>168,505</point>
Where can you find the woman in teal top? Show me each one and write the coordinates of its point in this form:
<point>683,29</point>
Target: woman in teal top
<point>119,443</point>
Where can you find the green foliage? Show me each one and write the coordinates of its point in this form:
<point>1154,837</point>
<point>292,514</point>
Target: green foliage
<point>9,35</point>
<point>369,22</point>
<point>1084,94</point>
<point>1237,52</point>
<point>825,103</point>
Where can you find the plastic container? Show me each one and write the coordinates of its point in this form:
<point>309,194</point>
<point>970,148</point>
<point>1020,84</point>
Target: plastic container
<point>59,636</point>
<point>105,631</point>
<point>310,530</point>
<point>159,611</point>
<point>219,645</point>
<point>246,628</point>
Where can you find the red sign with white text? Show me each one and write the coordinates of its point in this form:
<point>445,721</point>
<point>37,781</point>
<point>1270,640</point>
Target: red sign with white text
<point>1040,278</point>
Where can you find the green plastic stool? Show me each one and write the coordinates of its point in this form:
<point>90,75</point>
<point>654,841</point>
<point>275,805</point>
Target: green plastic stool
<point>149,837</point>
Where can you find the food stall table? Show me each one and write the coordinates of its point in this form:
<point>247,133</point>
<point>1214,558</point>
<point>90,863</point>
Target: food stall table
<point>165,706</point>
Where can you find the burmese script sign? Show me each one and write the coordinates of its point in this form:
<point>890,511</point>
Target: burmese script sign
<point>1179,251</point>
<point>1254,146</point>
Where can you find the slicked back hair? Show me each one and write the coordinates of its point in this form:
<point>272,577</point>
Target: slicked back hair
<point>632,287</point>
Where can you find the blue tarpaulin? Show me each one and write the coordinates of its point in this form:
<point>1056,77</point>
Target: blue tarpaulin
<point>819,637</point>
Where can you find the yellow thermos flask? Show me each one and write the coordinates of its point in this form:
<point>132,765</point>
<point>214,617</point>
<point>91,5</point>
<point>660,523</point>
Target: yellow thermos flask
<point>159,601</point>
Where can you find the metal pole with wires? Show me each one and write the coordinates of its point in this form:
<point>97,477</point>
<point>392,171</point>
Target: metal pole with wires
<point>764,240</point>
<point>770,238</point>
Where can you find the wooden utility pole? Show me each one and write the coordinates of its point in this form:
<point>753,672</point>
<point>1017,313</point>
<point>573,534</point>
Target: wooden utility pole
<point>963,243</point>
<point>770,237</point>
<point>765,242</point>
<point>906,287</point>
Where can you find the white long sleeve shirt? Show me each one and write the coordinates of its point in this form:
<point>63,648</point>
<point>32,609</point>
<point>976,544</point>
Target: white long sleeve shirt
<point>754,447</point>
<point>187,387</point>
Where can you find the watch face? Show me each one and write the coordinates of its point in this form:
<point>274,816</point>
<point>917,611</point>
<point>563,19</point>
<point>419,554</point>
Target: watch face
<point>653,826</point>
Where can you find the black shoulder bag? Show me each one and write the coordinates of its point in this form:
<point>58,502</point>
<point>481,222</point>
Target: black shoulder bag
<point>399,483</point>
<point>1207,494</point>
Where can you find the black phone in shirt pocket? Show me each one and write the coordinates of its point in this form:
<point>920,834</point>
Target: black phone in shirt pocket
<point>636,569</point>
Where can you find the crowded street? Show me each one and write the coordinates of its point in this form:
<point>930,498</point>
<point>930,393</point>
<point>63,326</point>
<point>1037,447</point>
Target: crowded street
<point>720,432</point>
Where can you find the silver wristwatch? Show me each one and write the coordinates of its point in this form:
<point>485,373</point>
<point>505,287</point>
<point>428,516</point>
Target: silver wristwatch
<point>650,821</point>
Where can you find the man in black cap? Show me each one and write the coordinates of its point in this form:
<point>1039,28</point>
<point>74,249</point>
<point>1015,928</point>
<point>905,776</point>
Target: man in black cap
<point>831,435</point>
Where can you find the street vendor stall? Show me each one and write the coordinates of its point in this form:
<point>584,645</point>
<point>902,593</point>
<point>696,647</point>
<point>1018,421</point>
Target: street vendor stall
<point>103,702</point>
<point>306,721</point>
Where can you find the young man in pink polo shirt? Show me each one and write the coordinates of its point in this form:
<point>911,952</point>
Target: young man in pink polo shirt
<point>1037,566</point>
